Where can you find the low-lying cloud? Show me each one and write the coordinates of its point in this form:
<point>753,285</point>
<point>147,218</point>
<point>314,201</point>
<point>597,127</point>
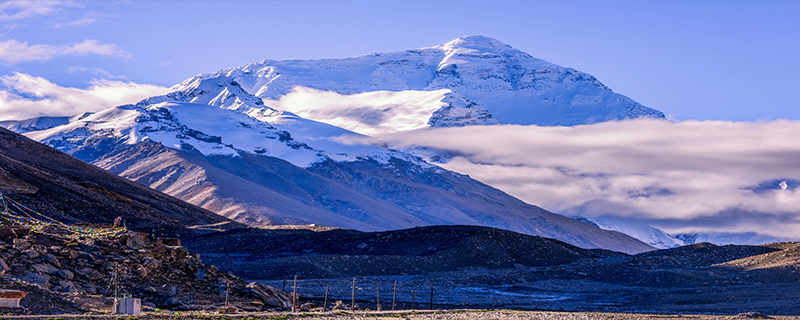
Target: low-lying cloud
<point>24,96</point>
<point>690,176</point>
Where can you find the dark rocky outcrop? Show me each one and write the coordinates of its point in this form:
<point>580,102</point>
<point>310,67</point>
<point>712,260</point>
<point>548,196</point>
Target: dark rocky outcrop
<point>67,276</point>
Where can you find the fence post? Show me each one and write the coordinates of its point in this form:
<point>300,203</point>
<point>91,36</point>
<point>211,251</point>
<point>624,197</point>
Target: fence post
<point>353,300</point>
<point>378,306</point>
<point>325,304</point>
<point>394,295</point>
<point>431,307</point>
<point>294,295</point>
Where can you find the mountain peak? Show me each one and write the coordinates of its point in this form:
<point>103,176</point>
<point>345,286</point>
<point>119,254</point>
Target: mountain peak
<point>477,39</point>
<point>478,42</point>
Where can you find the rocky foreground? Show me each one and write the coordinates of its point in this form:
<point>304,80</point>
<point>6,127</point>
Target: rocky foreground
<point>78,275</point>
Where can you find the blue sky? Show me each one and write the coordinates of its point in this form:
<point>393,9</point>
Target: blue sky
<point>708,60</point>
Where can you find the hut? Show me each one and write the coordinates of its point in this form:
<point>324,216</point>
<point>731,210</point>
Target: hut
<point>11,298</point>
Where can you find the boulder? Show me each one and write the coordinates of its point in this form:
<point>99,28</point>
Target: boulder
<point>36,278</point>
<point>31,254</point>
<point>43,268</point>
<point>90,274</point>
<point>65,274</point>
<point>21,244</point>
<point>271,296</point>
<point>67,286</point>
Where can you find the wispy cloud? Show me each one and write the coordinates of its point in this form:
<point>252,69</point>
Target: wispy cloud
<point>19,10</point>
<point>75,23</point>
<point>687,176</point>
<point>96,72</point>
<point>13,51</point>
<point>26,96</point>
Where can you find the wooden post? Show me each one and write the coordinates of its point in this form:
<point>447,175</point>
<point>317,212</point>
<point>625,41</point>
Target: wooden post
<point>413,298</point>
<point>378,307</point>
<point>431,307</point>
<point>325,304</point>
<point>294,295</point>
<point>284,286</point>
<point>394,295</point>
<point>353,298</point>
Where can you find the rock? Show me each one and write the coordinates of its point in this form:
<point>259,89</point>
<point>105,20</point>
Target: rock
<point>72,254</point>
<point>67,286</point>
<point>65,274</point>
<point>21,244</point>
<point>151,263</point>
<point>136,241</point>
<point>44,268</point>
<point>89,288</point>
<point>31,254</point>
<point>108,266</point>
<point>307,306</point>
<point>40,279</point>
<point>90,274</point>
<point>271,296</point>
<point>3,267</point>
<point>141,271</point>
<point>51,259</point>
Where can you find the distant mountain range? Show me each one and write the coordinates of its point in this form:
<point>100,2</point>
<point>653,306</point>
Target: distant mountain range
<point>261,144</point>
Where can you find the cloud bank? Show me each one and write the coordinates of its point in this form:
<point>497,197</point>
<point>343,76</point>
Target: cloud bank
<point>693,176</point>
<point>24,96</point>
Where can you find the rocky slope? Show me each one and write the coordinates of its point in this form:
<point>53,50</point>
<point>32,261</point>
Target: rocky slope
<point>72,191</point>
<point>76,275</point>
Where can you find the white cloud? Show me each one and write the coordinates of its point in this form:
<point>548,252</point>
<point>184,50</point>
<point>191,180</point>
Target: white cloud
<point>678,176</point>
<point>19,10</point>
<point>13,51</point>
<point>366,113</point>
<point>96,72</point>
<point>27,96</point>
<point>75,23</point>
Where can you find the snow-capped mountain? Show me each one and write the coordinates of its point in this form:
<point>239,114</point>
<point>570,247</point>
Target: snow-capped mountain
<point>266,143</point>
<point>724,238</point>
<point>643,232</point>
<point>662,240</point>
<point>260,166</point>
<point>467,81</point>
<point>35,124</point>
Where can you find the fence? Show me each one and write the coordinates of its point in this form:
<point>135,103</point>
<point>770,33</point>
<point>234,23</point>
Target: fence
<point>404,293</point>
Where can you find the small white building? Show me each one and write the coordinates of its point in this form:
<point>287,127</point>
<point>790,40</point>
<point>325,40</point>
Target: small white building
<point>127,306</point>
<point>11,298</point>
